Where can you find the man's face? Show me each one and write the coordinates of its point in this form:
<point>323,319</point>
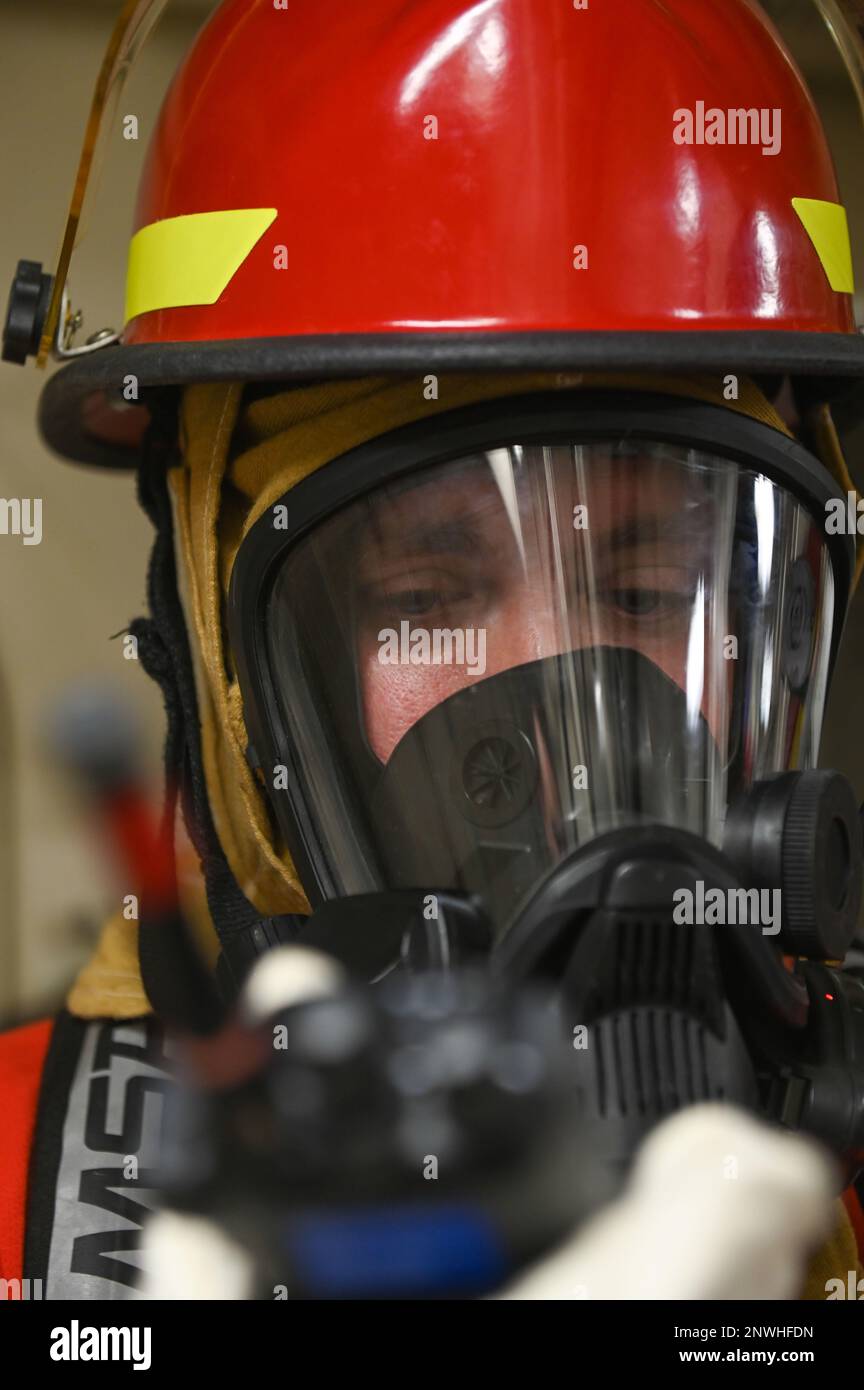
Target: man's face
<point>554,556</point>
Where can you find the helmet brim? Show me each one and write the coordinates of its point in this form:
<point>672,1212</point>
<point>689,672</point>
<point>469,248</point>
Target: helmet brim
<point>86,416</point>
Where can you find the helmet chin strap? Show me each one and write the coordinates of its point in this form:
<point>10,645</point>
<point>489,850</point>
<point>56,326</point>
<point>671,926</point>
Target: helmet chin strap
<point>163,649</point>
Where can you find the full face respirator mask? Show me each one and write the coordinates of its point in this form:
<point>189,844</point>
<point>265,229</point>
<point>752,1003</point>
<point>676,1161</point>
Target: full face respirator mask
<point>539,685</point>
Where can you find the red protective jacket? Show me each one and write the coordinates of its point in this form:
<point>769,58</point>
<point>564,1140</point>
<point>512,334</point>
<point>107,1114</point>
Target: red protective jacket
<point>22,1058</point>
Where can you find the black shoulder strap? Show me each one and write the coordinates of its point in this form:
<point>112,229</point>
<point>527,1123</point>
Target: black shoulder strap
<point>93,1166</point>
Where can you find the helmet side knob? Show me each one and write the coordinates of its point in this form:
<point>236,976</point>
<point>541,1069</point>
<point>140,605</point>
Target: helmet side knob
<point>26,312</point>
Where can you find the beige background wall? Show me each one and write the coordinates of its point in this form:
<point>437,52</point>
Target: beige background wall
<point>60,602</point>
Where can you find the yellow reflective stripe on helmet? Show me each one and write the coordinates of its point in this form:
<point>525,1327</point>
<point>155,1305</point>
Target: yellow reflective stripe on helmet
<point>828,229</point>
<point>190,259</point>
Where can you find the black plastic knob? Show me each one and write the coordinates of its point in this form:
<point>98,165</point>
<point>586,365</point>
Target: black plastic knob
<point>801,832</point>
<point>821,866</point>
<point>27,311</point>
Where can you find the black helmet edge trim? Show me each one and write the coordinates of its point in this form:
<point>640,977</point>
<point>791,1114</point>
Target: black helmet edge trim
<point>836,357</point>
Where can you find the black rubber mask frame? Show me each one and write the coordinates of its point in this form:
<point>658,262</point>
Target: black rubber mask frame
<point>543,418</point>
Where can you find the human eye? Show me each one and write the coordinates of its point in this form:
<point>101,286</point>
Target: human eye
<point>417,595</point>
<point>416,602</point>
<point>652,594</point>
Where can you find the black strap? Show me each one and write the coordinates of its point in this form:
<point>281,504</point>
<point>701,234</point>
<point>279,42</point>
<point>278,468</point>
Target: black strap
<point>61,1062</point>
<point>98,1105</point>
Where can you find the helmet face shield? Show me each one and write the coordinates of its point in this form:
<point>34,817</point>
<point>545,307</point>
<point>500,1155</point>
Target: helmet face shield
<point>484,661</point>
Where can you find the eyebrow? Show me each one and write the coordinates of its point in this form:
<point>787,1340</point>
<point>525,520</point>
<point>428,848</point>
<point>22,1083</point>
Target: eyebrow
<point>652,529</point>
<point>456,537</point>
<point>459,537</point>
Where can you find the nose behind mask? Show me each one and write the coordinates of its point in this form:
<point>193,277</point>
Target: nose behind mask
<point>492,787</point>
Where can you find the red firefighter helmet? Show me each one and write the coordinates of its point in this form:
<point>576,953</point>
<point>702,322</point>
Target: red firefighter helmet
<point>339,188</point>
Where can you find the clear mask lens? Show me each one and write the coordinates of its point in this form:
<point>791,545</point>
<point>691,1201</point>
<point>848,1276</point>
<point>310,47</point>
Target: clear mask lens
<point>488,663</point>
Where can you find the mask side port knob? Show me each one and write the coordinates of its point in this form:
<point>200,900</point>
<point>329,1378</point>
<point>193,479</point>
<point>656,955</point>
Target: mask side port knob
<point>801,832</point>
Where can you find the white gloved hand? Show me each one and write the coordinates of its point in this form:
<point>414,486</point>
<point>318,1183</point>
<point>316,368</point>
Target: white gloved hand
<point>719,1205</point>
